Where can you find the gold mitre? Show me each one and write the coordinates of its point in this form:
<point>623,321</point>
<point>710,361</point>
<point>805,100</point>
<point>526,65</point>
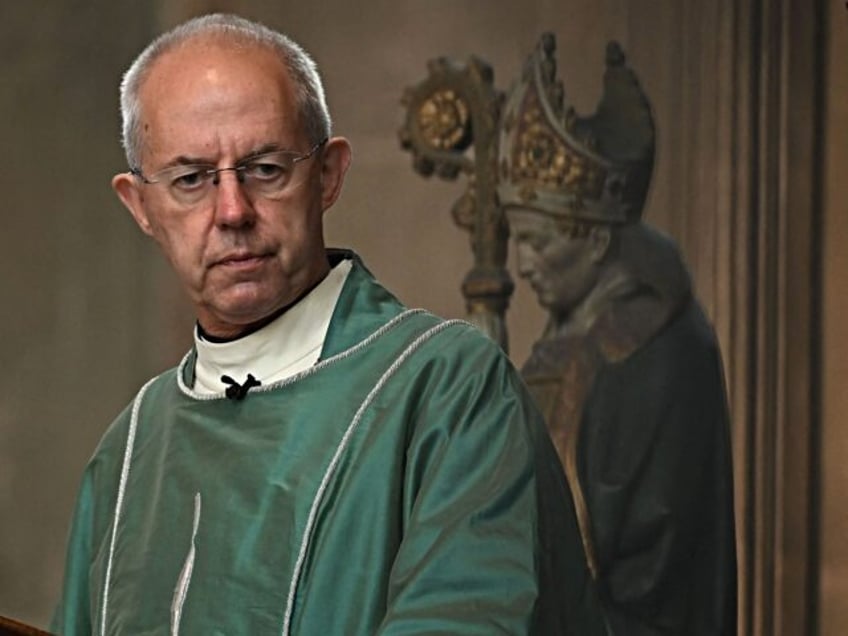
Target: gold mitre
<point>595,168</point>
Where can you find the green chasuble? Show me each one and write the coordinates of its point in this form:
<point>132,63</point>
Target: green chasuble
<point>402,485</point>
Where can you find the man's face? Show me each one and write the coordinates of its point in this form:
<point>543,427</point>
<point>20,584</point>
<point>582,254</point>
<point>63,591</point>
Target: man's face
<point>562,269</point>
<point>240,256</point>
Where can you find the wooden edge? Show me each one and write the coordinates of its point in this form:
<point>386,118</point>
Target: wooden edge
<point>10,627</point>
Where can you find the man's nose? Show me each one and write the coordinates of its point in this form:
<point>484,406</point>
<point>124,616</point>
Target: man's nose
<point>233,208</point>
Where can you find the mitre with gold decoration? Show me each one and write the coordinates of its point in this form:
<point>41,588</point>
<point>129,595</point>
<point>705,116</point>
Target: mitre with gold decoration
<point>595,168</point>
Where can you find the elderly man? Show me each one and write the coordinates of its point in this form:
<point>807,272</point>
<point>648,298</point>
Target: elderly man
<point>323,461</point>
<point>627,372</point>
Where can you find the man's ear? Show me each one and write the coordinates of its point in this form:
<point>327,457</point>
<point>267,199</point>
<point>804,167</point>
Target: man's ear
<point>126,187</point>
<point>335,159</point>
<point>600,238</point>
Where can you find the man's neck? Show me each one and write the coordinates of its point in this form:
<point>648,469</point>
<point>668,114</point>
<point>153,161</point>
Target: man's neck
<point>256,326</point>
<point>289,343</point>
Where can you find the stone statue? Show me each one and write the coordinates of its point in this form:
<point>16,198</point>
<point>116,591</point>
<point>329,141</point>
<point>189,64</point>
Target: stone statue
<point>627,371</point>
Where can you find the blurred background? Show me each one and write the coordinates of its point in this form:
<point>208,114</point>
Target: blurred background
<point>751,103</point>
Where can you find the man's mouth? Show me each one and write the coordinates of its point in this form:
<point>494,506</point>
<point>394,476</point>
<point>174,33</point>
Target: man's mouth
<point>240,260</point>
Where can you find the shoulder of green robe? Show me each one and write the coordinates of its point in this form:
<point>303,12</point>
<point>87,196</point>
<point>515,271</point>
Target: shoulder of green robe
<point>114,439</point>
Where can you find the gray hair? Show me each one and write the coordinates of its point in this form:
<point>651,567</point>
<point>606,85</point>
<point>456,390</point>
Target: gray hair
<point>302,69</point>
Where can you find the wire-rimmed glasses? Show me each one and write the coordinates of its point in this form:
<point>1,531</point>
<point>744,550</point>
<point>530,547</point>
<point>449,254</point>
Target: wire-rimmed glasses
<point>267,175</point>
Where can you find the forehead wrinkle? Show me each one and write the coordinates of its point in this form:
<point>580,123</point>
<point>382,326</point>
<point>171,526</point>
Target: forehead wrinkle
<point>246,106</point>
<point>254,151</point>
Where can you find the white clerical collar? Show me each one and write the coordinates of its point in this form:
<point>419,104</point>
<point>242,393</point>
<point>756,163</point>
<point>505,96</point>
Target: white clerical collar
<point>282,348</point>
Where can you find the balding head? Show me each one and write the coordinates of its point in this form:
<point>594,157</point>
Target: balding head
<point>236,31</point>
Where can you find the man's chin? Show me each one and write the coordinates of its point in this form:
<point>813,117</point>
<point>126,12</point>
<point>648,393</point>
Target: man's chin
<point>239,312</point>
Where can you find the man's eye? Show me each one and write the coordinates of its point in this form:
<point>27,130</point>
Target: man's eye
<point>266,170</point>
<point>189,180</point>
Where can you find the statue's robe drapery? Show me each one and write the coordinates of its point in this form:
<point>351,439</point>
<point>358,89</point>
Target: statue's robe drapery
<point>403,485</point>
<point>637,410</point>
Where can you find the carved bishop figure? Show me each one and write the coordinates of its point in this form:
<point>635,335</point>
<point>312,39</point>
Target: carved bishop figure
<point>627,371</point>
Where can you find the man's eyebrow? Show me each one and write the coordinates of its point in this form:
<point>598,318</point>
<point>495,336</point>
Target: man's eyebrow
<point>261,150</point>
<point>185,160</point>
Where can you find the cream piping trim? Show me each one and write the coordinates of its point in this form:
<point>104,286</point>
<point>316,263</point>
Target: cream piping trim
<point>122,486</point>
<point>181,591</point>
<point>328,474</point>
<point>302,374</point>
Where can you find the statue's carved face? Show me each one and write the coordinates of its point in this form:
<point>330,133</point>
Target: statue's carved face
<point>562,267</point>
